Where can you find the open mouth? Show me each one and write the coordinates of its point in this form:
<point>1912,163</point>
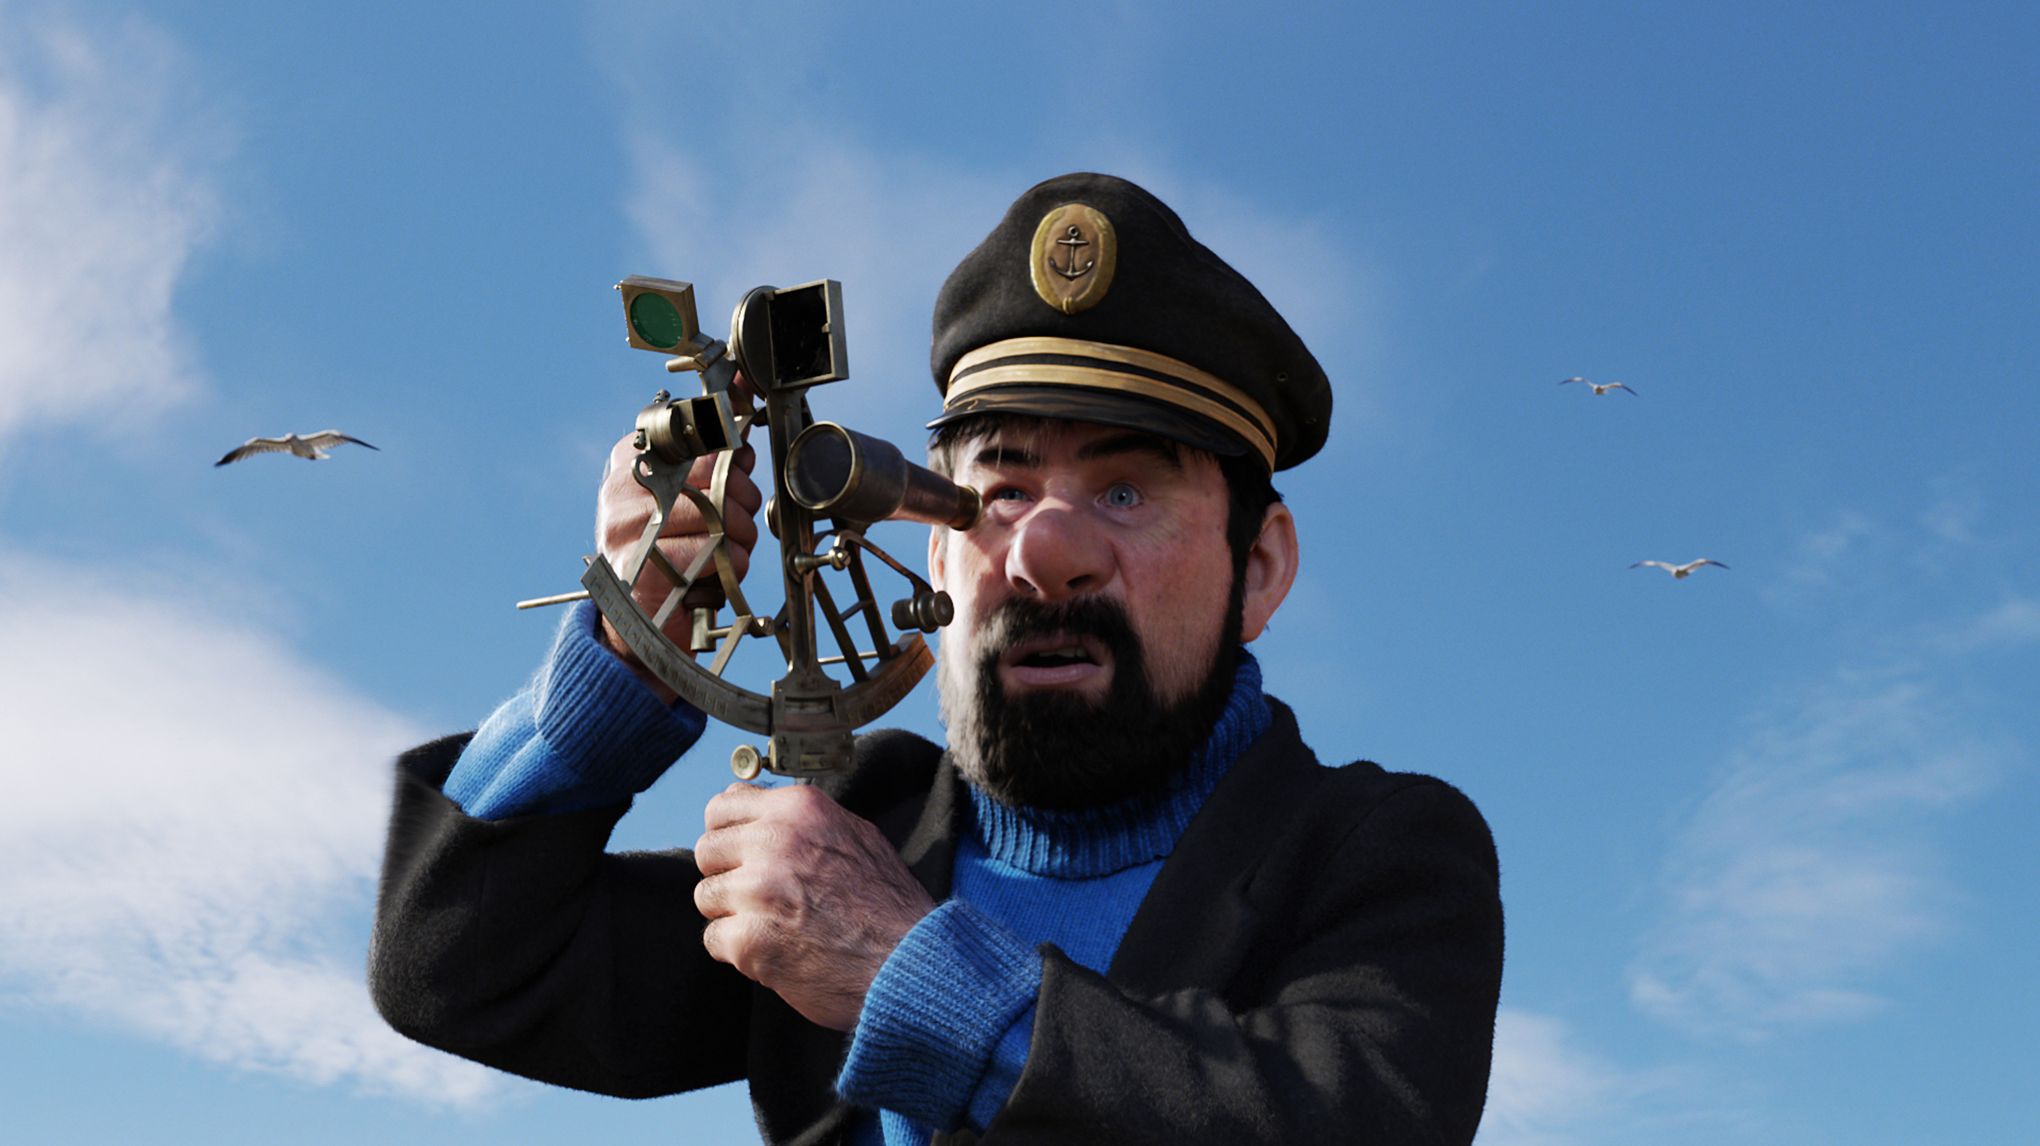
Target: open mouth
<point>1057,658</point>
<point>1056,661</point>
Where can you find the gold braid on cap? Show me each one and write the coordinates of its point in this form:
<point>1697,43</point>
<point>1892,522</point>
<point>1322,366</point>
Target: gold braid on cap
<point>1119,369</point>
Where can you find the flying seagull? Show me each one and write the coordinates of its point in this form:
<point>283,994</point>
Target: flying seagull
<point>1602,387</point>
<point>1680,572</point>
<point>310,446</point>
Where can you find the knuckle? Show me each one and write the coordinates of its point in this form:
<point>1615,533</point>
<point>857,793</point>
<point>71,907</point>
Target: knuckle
<point>769,837</point>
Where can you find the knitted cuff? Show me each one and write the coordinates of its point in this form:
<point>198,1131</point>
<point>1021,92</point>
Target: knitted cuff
<point>935,1013</point>
<point>1002,1074</point>
<point>585,733</point>
<point>599,719</point>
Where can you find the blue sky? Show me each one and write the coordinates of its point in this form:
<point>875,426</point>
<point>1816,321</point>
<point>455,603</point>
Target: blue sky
<point>1764,832</point>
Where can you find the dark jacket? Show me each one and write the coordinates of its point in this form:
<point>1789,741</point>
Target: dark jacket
<point>1318,961</point>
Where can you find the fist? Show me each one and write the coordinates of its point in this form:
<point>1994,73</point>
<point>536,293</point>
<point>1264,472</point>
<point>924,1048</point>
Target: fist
<point>623,510</point>
<point>802,897</point>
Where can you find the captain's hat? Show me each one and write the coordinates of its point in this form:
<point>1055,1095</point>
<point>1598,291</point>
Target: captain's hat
<point>1091,302</point>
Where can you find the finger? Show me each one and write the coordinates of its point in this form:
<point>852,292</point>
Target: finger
<point>723,849</point>
<point>741,495</point>
<point>740,803</point>
<point>712,897</point>
<point>687,529</point>
<point>742,385</point>
<point>736,940</point>
<point>630,504</point>
<point>715,937</point>
<point>682,552</point>
<point>625,506</point>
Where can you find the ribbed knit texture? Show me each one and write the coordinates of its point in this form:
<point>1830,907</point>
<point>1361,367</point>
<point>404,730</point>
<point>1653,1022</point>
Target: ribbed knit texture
<point>585,733</point>
<point>946,1025</point>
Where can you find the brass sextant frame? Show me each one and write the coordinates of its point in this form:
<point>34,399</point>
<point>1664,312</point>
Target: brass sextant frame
<point>784,342</point>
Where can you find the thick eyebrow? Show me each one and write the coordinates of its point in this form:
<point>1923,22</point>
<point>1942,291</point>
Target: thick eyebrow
<point>1006,457</point>
<point>1133,442</point>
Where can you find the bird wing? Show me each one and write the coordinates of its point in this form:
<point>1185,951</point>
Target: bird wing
<point>1706,561</point>
<point>1621,386</point>
<point>253,446</point>
<point>1651,564</point>
<point>1563,381</point>
<point>325,439</point>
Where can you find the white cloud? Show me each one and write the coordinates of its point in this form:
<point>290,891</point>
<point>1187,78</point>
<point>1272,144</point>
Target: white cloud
<point>1544,1087</point>
<point>104,198</point>
<point>1548,1089</point>
<point>192,828</point>
<point>1841,551</point>
<point>1954,517</point>
<point>1811,865</point>
<point>2015,621</point>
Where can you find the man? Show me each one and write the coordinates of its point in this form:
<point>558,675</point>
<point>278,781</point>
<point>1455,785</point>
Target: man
<point>1126,905</point>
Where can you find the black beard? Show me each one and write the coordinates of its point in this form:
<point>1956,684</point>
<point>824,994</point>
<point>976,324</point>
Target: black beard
<point>1055,749</point>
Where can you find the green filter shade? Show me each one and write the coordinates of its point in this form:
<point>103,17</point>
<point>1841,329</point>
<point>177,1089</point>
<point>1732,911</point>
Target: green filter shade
<point>657,320</point>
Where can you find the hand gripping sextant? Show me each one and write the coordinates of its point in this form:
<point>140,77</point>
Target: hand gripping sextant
<point>829,485</point>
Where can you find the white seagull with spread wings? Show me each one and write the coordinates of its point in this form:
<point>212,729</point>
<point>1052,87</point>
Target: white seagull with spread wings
<point>1601,387</point>
<point>1679,572</point>
<point>309,446</point>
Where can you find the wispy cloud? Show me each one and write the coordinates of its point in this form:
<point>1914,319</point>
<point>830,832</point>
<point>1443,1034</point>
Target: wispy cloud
<point>1544,1087</point>
<point>1548,1088</point>
<point>1838,551</point>
<point>104,197</point>
<point>2014,622</point>
<point>1945,537</point>
<point>1956,515</point>
<point>1812,864</point>
<point>191,832</point>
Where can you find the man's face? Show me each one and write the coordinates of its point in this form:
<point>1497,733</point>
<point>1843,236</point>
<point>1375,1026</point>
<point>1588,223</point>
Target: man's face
<point>1090,650</point>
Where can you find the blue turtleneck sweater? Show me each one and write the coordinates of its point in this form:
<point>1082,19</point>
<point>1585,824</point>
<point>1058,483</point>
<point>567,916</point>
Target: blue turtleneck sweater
<point>946,1024</point>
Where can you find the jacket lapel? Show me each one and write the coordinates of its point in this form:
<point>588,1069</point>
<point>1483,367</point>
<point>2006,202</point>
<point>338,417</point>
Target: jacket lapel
<point>1194,925</point>
<point>930,847</point>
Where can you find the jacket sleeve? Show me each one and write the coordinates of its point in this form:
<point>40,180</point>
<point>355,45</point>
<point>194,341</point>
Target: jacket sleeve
<point>521,944</point>
<point>1366,1015</point>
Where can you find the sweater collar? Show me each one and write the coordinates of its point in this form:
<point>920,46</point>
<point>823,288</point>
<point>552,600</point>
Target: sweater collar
<point>1078,843</point>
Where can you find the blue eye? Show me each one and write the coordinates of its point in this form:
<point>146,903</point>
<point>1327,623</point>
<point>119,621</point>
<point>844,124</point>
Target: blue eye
<point>1122,496</point>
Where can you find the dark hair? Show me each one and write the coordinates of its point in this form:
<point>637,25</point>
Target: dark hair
<point>1250,488</point>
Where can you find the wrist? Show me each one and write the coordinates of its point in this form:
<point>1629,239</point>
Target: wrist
<point>610,639</point>
<point>936,1014</point>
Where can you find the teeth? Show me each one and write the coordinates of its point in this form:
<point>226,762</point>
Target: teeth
<point>1059,654</point>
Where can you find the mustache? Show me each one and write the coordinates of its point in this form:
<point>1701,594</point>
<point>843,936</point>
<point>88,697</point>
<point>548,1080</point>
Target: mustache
<point>1018,618</point>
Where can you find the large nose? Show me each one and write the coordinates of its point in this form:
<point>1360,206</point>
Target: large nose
<point>1057,552</point>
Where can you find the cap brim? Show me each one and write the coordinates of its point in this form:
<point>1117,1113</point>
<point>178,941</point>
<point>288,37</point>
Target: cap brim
<point>1126,411</point>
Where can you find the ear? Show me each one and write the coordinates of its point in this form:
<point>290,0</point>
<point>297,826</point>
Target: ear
<point>1271,570</point>
<point>938,553</point>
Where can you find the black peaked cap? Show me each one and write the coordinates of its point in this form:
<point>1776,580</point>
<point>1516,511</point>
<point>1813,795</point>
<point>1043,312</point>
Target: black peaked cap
<point>1090,301</point>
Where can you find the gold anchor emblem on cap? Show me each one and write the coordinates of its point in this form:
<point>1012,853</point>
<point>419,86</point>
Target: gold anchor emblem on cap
<point>1073,257</point>
<point>1073,239</point>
